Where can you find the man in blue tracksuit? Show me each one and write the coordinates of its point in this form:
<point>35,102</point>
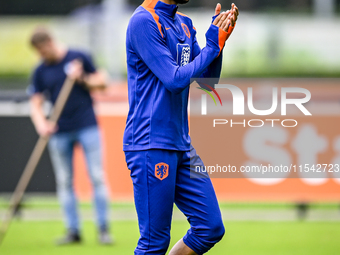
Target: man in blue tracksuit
<point>162,56</point>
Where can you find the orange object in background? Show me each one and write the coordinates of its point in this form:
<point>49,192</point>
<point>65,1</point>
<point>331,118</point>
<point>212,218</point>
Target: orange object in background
<point>118,176</point>
<point>241,189</point>
<point>112,109</point>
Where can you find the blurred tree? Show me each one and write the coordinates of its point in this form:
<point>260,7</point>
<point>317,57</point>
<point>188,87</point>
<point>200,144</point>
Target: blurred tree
<point>255,5</point>
<point>42,7</point>
<point>63,7</point>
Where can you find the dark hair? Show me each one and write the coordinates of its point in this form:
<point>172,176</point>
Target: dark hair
<point>40,35</point>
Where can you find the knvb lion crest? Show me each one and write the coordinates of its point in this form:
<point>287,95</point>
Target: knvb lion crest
<point>161,171</point>
<point>186,30</point>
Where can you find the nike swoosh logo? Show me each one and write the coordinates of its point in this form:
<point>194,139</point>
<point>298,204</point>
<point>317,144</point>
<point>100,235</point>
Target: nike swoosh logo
<point>167,28</point>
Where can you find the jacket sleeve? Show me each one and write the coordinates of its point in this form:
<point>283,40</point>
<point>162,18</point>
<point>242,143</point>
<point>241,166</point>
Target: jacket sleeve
<point>214,69</point>
<point>146,39</point>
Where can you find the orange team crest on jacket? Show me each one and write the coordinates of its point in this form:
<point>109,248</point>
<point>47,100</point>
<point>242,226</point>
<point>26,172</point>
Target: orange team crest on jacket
<point>161,171</point>
<point>186,30</point>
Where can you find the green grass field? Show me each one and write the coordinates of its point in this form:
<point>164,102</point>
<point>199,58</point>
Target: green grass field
<point>290,237</point>
<point>251,238</point>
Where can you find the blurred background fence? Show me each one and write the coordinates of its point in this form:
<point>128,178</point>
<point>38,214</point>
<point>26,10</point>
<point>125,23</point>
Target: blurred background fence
<point>279,43</point>
<point>273,39</point>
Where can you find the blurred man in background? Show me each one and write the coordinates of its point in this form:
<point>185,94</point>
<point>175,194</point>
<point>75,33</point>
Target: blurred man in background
<point>77,125</point>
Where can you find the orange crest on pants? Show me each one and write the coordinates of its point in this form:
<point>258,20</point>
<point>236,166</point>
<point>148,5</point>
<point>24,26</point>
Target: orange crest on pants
<point>161,171</point>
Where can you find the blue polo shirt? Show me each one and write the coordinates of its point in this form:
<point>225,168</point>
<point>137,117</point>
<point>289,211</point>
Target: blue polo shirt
<point>49,78</point>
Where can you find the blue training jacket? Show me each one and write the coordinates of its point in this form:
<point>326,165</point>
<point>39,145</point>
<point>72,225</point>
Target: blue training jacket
<point>162,56</point>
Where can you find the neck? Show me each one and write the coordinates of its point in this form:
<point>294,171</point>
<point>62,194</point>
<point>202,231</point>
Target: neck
<point>169,1</point>
<point>60,51</point>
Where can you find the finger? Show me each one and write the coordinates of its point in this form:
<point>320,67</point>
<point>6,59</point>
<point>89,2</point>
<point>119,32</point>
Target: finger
<point>217,19</point>
<point>226,25</point>
<point>232,20</point>
<point>231,16</point>
<point>235,8</point>
<point>220,17</point>
<point>230,13</point>
<point>235,17</point>
<point>237,11</point>
<point>218,9</point>
<point>223,18</point>
<point>226,28</point>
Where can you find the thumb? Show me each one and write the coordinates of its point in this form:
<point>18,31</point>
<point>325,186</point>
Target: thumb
<point>218,9</point>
